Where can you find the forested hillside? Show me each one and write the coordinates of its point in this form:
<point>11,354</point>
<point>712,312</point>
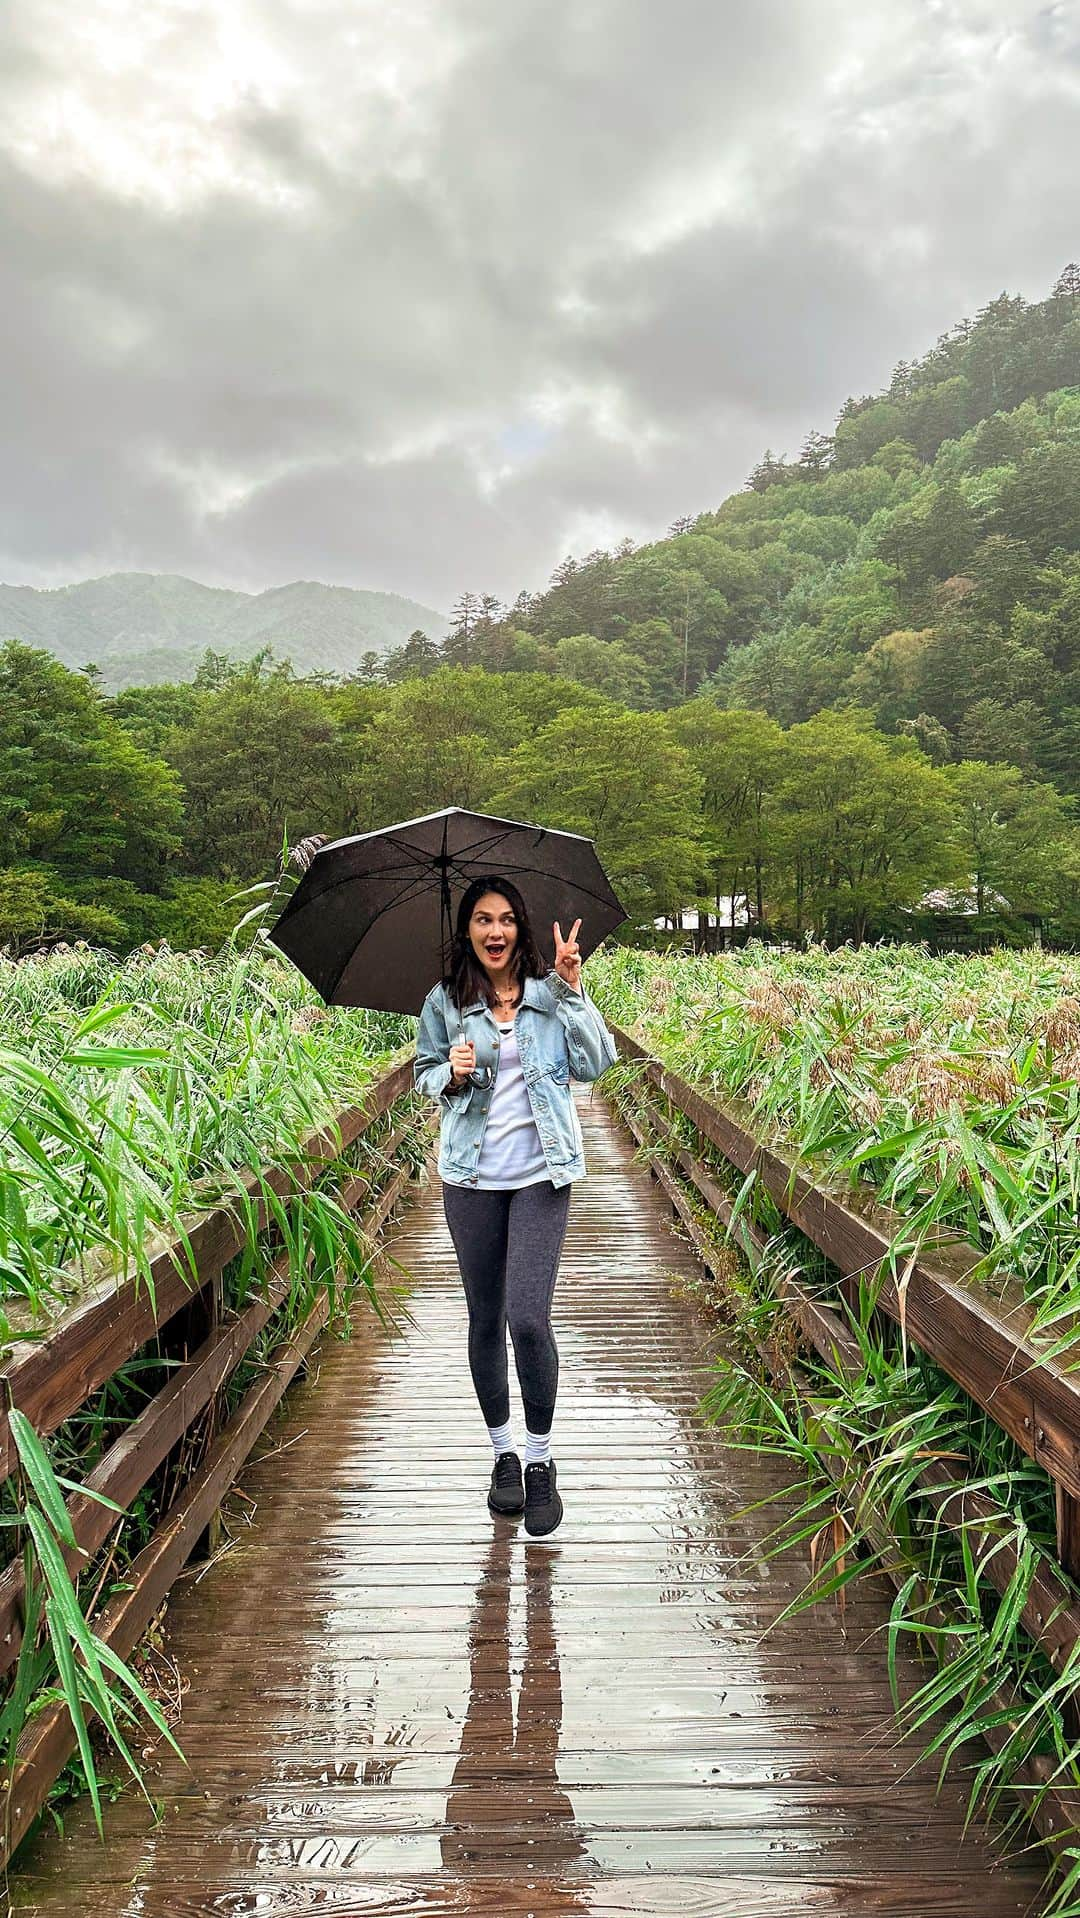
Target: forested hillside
<point>141,628</point>
<point>922,563</point>
<point>850,695</point>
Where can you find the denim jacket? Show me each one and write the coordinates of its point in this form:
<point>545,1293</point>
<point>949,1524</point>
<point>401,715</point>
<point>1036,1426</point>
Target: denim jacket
<point>560,1036</point>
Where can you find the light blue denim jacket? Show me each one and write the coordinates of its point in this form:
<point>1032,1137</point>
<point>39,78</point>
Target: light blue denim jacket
<point>560,1036</point>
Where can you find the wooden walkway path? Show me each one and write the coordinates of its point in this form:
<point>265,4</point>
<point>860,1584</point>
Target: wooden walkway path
<point>398,1706</point>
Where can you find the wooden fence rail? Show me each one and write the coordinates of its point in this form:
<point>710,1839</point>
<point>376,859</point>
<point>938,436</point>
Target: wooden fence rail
<point>49,1379</point>
<point>986,1345</point>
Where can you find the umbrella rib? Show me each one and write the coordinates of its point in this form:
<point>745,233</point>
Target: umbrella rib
<point>423,859</point>
<point>419,860</point>
<point>479,847</point>
<point>575,885</point>
<point>539,872</point>
<point>410,871</point>
<point>401,898</point>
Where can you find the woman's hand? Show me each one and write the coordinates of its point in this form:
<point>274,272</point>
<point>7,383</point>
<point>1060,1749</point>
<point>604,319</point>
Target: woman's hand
<point>567,955</point>
<point>462,1060</point>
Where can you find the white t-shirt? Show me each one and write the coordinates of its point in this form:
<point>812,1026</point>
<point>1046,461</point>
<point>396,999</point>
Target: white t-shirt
<point>510,1153</point>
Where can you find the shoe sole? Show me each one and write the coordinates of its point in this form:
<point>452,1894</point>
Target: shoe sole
<point>542,1531</point>
<point>505,1511</point>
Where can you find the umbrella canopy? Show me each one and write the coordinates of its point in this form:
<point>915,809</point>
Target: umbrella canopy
<point>370,923</point>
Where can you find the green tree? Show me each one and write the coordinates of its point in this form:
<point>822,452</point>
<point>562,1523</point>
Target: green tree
<point>266,755</point>
<point>1013,837</point>
<point>418,657</point>
<point>863,822</point>
<point>1010,732</point>
<point>769,471</point>
<point>659,652</point>
<point>965,662</point>
<point>151,714</point>
<point>929,735</point>
<point>1004,574</point>
<point>603,665</point>
<point>938,413</point>
<point>864,427</point>
<point>1040,501</point>
<point>459,645</point>
<point>886,680</point>
<point>432,744</point>
<point>996,442</point>
<point>896,457</point>
<point>738,756</point>
<point>619,778</point>
<point>929,537</point>
<point>36,913</point>
<point>76,792</point>
<point>816,455</point>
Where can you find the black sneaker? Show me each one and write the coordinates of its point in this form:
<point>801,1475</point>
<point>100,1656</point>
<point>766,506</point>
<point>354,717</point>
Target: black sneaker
<point>543,1506</point>
<point>507,1494</point>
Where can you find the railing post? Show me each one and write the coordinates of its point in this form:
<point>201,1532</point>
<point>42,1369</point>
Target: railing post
<point>185,1333</point>
<point>1068,1553</point>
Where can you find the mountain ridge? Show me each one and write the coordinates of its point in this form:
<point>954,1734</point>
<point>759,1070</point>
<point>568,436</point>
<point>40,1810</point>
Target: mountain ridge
<point>142,628</point>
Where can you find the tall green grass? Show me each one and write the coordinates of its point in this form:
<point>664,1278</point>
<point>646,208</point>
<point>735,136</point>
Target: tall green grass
<point>951,1085</point>
<point>135,1095</point>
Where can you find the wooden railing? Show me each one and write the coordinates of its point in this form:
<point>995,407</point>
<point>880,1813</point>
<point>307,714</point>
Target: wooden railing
<point>51,1377</point>
<point>984,1340</point>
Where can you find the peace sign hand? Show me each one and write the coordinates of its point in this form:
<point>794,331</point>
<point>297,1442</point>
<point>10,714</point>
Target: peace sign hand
<point>568,956</point>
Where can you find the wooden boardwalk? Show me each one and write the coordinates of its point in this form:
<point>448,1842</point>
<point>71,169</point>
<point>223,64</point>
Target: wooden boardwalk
<point>398,1706</point>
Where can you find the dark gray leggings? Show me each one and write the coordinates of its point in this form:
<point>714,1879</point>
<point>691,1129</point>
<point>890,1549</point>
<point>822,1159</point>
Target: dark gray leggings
<point>508,1246</point>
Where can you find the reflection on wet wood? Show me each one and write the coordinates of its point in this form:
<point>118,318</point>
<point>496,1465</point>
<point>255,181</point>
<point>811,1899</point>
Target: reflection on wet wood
<point>397,1706</point>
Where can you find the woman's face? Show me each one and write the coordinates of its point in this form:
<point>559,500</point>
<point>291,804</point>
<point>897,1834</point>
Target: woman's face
<point>493,929</point>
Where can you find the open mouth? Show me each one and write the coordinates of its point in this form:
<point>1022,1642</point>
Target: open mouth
<point>495,950</point>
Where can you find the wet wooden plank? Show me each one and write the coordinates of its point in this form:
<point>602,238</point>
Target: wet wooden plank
<point>547,1895</point>
<point>397,1705</point>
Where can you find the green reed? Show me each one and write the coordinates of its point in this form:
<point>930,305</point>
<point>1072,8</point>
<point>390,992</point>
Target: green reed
<point>135,1095</point>
<point>951,1085</point>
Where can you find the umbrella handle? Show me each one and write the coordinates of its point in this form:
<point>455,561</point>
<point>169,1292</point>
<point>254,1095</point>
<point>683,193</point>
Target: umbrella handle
<point>464,1042</point>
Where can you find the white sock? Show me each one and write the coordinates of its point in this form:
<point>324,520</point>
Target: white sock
<point>537,1448</point>
<point>502,1438</point>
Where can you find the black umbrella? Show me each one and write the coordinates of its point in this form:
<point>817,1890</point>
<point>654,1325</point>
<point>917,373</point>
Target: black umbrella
<point>371,921</point>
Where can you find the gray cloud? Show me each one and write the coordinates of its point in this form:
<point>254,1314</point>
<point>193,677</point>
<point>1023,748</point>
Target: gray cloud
<point>423,297</point>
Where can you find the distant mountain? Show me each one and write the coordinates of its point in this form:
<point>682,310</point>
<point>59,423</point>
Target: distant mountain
<point>142,628</point>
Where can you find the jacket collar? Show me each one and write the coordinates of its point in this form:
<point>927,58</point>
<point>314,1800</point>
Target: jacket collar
<point>535,994</point>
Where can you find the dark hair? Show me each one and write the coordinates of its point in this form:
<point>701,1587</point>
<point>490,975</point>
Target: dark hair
<point>465,978</point>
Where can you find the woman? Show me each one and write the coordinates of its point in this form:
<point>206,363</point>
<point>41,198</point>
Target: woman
<point>500,1037</point>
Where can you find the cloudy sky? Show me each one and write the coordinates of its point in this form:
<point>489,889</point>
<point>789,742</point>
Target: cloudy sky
<point>423,294</point>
